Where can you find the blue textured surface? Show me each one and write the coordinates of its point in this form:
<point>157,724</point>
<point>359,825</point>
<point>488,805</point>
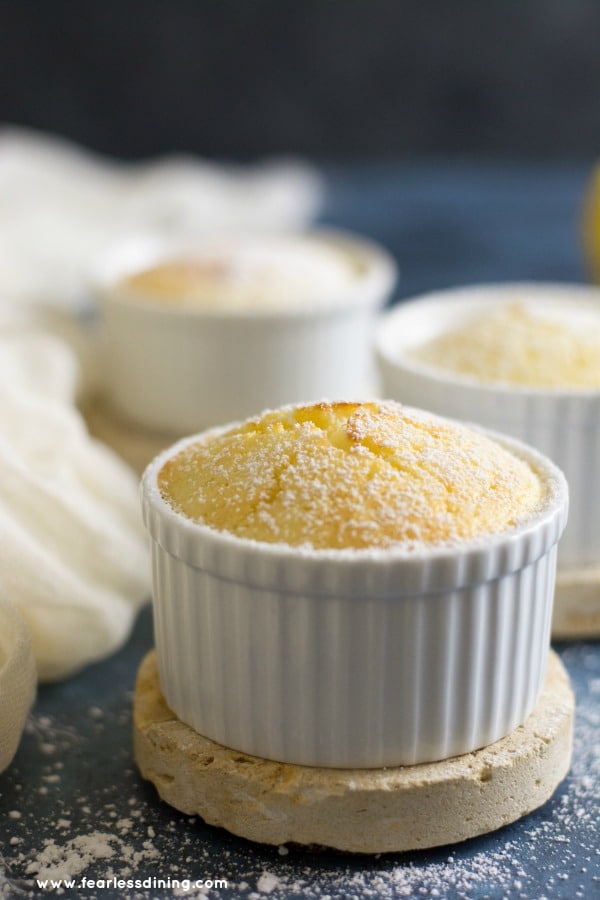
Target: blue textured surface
<point>74,776</point>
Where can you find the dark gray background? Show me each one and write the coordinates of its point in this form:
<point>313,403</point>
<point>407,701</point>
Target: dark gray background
<point>341,79</point>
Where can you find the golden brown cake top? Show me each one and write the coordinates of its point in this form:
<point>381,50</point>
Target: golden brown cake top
<point>351,475</point>
<point>516,345</point>
<point>248,273</point>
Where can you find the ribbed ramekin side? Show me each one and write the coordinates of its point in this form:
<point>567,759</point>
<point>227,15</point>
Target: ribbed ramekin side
<point>473,666</point>
<point>351,682</point>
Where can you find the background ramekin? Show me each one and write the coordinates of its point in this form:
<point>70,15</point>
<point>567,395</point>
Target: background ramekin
<point>179,370</point>
<point>562,424</point>
<point>347,658</point>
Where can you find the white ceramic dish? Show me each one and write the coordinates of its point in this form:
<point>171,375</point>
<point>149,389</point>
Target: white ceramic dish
<point>562,424</point>
<point>178,369</point>
<point>352,658</point>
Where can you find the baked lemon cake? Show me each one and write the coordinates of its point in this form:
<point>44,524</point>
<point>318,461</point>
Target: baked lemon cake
<point>261,273</point>
<point>351,475</point>
<point>513,344</point>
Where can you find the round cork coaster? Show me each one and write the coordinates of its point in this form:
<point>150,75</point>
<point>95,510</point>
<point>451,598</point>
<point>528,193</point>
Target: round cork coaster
<point>577,604</point>
<point>355,810</point>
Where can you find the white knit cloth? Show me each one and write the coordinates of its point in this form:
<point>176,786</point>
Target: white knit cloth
<point>17,679</point>
<point>73,552</point>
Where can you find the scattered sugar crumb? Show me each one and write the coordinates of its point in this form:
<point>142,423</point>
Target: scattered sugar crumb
<point>267,883</point>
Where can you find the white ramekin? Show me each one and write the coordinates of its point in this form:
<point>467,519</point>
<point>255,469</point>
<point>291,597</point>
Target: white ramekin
<point>178,370</point>
<point>563,424</point>
<point>352,658</point>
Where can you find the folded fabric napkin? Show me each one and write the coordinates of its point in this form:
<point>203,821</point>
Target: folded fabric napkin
<point>73,555</point>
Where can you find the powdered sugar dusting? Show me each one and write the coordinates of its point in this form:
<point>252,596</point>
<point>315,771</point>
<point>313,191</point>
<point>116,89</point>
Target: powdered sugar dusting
<point>351,475</point>
<point>515,344</point>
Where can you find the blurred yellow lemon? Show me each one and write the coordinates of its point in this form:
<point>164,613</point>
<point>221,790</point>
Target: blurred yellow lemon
<point>591,225</point>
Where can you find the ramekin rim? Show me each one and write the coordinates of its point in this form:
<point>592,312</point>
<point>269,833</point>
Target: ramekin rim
<point>547,522</point>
